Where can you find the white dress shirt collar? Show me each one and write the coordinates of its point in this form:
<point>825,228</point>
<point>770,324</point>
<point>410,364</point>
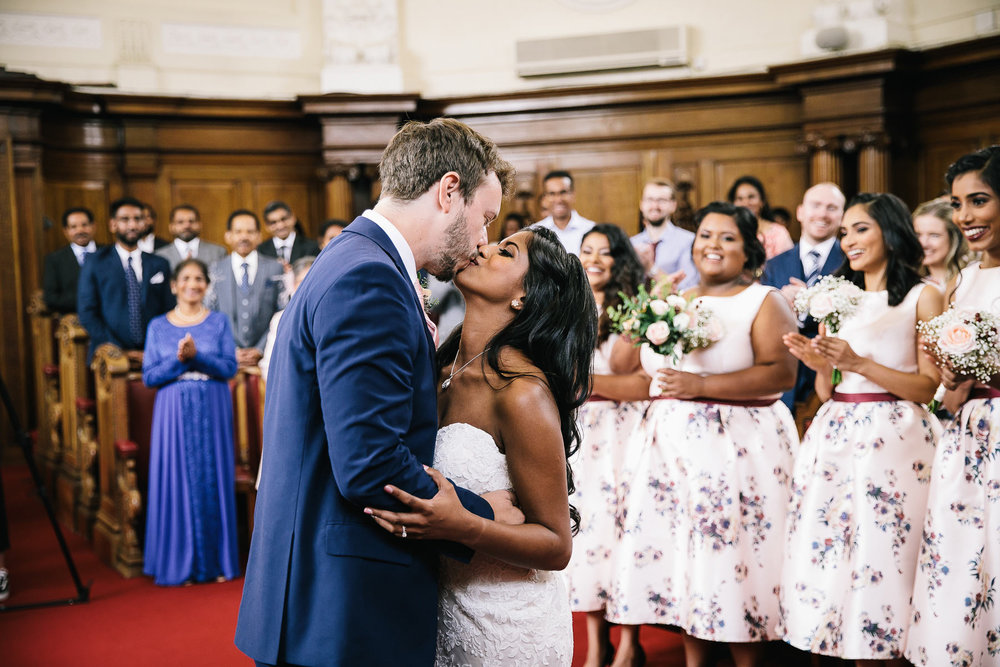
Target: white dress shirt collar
<point>147,243</point>
<point>185,247</point>
<point>237,263</point>
<point>398,242</point>
<point>81,250</point>
<point>823,248</point>
<point>136,256</point>
<point>287,243</point>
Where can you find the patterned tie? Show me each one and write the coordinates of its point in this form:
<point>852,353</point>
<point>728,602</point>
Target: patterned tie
<point>813,268</point>
<point>427,320</point>
<point>134,305</point>
<point>245,282</point>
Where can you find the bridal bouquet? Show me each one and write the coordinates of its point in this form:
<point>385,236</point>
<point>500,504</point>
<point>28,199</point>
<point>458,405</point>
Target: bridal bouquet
<point>671,325</point>
<point>830,301</point>
<point>967,341</point>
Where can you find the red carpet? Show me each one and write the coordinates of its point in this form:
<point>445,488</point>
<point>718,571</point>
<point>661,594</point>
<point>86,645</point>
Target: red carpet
<point>131,621</point>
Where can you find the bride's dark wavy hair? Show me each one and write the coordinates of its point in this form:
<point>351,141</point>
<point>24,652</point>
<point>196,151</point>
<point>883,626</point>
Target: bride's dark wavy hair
<point>556,329</point>
<point>903,253</point>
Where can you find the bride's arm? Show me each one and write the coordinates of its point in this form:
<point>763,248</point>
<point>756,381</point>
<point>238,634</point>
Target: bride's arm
<point>532,440</point>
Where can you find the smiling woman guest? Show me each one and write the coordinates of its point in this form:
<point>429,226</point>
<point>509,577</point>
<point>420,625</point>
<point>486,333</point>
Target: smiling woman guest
<point>191,520</point>
<point>860,483</point>
<point>955,620</point>
<point>606,421</point>
<point>944,244</point>
<point>708,481</point>
<point>748,192</point>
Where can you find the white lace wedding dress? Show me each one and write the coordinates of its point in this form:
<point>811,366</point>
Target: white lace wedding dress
<point>491,613</point>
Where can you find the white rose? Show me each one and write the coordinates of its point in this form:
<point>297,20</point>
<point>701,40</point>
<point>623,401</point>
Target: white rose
<point>682,321</point>
<point>659,307</point>
<point>658,332</point>
<point>820,305</point>
<point>677,301</point>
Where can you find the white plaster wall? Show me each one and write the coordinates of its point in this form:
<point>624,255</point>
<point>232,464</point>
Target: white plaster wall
<point>274,48</point>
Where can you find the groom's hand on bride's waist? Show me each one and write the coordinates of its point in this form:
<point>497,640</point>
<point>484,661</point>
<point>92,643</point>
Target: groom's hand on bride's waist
<point>504,505</point>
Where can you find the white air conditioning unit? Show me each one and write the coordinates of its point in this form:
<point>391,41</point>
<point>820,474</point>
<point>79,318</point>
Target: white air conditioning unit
<point>659,47</point>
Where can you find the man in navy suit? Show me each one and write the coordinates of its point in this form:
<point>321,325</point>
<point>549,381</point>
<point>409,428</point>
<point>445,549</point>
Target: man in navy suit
<point>352,407</point>
<point>62,267</point>
<point>815,255</point>
<point>122,288</point>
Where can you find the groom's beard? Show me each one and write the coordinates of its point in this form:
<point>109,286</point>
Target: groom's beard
<point>455,251</point>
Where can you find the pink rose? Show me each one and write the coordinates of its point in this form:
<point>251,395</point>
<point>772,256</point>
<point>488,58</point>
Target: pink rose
<point>659,307</point>
<point>682,321</point>
<point>658,332</point>
<point>820,305</point>
<point>957,338</point>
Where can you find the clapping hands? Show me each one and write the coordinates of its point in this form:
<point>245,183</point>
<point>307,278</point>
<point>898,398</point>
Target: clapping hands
<point>185,348</point>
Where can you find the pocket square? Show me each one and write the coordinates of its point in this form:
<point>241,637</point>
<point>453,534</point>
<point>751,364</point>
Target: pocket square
<point>157,279</point>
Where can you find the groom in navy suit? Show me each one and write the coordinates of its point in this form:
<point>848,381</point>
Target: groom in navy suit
<point>122,288</point>
<point>352,407</point>
<point>815,255</point>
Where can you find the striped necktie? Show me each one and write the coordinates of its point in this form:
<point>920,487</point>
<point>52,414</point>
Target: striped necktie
<point>812,267</point>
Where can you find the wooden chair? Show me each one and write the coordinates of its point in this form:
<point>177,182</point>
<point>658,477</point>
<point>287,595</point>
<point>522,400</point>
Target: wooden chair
<point>248,418</point>
<point>124,413</point>
<point>74,382</point>
<point>48,405</point>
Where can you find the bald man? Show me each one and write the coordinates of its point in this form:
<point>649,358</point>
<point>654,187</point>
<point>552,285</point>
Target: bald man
<point>815,255</point>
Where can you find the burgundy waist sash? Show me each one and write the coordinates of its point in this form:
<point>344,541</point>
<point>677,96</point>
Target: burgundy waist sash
<point>864,398</point>
<point>748,403</point>
<point>984,392</point>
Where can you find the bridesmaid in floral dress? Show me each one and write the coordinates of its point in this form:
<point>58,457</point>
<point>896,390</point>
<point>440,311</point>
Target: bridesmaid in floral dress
<point>956,618</point>
<point>708,481</point>
<point>861,477</point>
<point>605,422</point>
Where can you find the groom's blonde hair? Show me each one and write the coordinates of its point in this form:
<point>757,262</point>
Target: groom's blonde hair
<point>421,153</point>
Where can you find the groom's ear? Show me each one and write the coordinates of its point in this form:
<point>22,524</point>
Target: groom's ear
<point>448,191</point>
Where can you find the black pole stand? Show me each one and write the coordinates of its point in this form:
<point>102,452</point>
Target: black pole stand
<point>82,592</point>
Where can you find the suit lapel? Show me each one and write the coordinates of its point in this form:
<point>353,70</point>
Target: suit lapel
<point>369,229</point>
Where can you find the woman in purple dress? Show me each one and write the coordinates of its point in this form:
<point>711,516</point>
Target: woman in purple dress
<point>191,521</point>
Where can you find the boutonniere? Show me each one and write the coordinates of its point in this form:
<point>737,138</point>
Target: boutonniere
<point>427,297</point>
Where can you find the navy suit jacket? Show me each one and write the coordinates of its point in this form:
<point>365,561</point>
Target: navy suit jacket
<point>102,297</point>
<point>351,406</point>
<point>779,272</point>
<point>60,279</point>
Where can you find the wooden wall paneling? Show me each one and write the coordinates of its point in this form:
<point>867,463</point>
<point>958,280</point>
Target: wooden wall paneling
<point>214,197</point>
<point>13,366</point>
<point>61,195</point>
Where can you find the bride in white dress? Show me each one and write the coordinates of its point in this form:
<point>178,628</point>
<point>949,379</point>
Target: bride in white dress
<point>511,379</point>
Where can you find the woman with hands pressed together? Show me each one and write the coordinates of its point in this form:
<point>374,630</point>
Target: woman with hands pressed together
<point>511,379</point>
<point>606,421</point>
<point>191,519</point>
<point>861,476</point>
<point>708,484</point>
<point>955,619</point>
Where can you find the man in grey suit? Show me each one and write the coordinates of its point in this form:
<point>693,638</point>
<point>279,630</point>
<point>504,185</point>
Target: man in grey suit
<point>245,286</point>
<point>185,226</point>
